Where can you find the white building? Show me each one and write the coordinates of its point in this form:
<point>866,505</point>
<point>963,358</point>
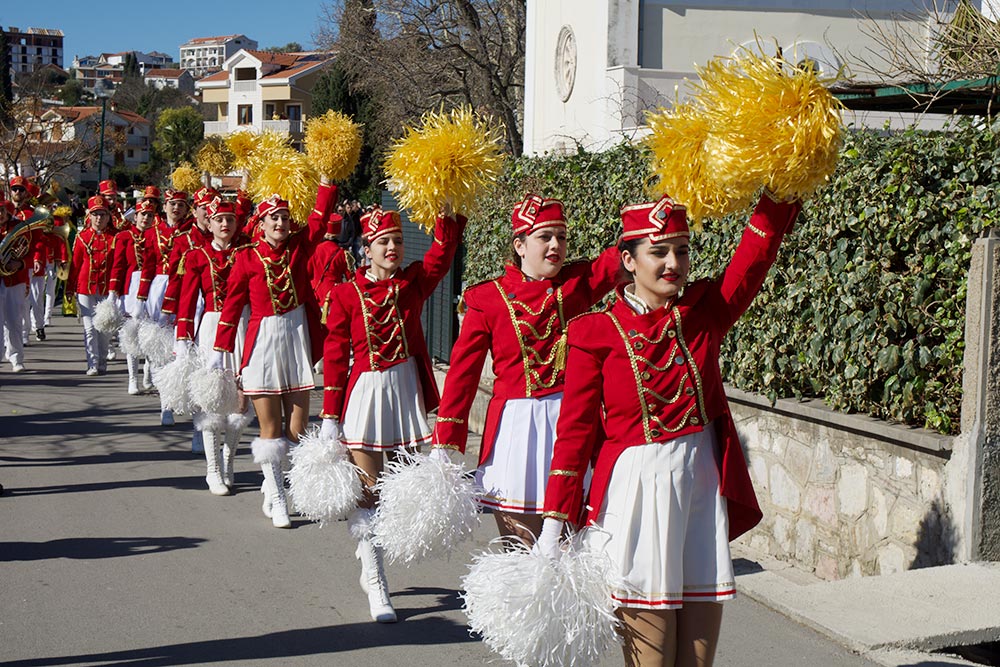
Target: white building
<point>258,91</point>
<point>593,67</point>
<point>33,48</point>
<point>204,55</point>
<point>180,79</point>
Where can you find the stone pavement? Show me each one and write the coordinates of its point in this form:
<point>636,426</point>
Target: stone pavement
<point>113,553</point>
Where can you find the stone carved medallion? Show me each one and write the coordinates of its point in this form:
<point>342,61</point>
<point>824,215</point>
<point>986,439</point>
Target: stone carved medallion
<point>565,69</point>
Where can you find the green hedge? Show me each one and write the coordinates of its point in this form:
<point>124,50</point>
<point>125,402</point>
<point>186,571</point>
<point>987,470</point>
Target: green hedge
<point>866,305</point>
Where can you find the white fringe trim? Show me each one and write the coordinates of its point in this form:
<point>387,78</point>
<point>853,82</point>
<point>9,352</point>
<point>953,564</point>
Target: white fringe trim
<point>269,450</point>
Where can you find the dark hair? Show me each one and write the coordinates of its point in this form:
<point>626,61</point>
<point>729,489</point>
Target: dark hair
<point>630,245</point>
<point>514,257</point>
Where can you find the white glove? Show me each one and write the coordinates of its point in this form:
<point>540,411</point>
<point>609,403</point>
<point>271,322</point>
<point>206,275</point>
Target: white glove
<point>442,454</point>
<point>548,540</point>
<point>113,295</point>
<point>181,347</point>
<point>166,319</point>
<point>330,430</point>
<point>138,310</point>
<point>216,360</point>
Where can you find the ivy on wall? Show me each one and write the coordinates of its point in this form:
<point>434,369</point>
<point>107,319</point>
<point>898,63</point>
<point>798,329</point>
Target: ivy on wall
<point>865,307</point>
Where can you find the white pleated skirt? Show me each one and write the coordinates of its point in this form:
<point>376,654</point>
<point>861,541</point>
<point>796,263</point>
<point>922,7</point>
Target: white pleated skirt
<point>280,362</point>
<point>129,299</point>
<point>513,478</point>
<point>386,412</point>
<point>154,300</point>
<point>665,525</point>
<point>205,338</point>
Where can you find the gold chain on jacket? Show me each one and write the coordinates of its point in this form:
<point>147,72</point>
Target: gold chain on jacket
<point>164,245</point>
<point>280,286</point>
<point>220,274</point>
<point>372,324</point>
<point>138,246</point>
<point>534,362</point>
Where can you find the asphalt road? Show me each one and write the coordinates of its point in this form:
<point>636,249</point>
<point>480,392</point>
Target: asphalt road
<point>112,552</point>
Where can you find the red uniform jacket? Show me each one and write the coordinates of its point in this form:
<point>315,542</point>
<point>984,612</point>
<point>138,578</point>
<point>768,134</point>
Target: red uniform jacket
<point>205,271</point>
<point>329,269</point>
<point>157,246</point>
<point>521,322</point>
<point>656,376</point>
<point>36,248</point>
<point>128,257</point>
<point>191,238</point>
<point>275,281</point>
<point>91,268</point>
<point>382,320</point>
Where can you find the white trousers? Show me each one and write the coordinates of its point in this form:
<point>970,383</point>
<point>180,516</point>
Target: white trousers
<point>14,302</point>
<point>50,292</point>
<point>95,343</point>
<point>41,302</point>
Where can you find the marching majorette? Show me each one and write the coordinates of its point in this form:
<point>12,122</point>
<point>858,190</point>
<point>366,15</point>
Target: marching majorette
<point>155,272</point>
<point>126,272</point>
<point>89,275</point>
<point>670,484</point>
<point>109,190</point>
<point>196,235</point>
<point>520,319</point>
<point>16,284</point>
<point>379,404</point>
<point>284,335</point>
<point>204,274</point>
<point>330,264</point>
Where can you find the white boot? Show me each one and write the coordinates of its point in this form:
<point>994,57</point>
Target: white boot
<point>147,375</point>
<point>269,452</point>
<point>133,374</point>
<point>235,425</point>
<point>213,473</point>
<point>373,579</point>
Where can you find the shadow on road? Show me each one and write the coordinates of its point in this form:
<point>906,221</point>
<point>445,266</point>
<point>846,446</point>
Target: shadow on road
<point>83,548</point>
<point>99,459</point>
<point>285,644</point>
<point>182,483</point>
<point>447,600</point>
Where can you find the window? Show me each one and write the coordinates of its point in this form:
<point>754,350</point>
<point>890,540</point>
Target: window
<point>244,114</point>
<point>269,111</point>
<point>294,111</point>
<point>130,153</point>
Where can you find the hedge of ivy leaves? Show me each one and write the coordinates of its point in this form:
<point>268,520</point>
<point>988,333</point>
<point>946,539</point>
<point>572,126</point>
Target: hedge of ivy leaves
<point>865,307</point>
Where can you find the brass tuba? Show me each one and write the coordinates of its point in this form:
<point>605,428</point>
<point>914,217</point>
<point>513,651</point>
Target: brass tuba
<point>15,246</point>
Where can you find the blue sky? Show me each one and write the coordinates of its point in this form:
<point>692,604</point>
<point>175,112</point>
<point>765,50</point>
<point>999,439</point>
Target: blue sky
<point>92,28</point>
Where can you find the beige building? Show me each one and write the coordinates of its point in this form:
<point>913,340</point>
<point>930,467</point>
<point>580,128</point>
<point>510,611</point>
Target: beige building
<point>594,67</point>
<point>259,91</point>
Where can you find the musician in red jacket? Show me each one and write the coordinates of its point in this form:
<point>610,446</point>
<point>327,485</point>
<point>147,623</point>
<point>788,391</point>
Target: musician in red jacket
<point>284,336</point>
<point>670,485</point>
<point>204,272</point>
<point>16,284</point>
<point>126,271</point>
<point>520,319</point>
<point>89,276</point>
<point>382,398</point>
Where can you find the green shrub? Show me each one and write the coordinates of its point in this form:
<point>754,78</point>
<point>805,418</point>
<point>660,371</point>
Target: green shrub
<point>865,307</point>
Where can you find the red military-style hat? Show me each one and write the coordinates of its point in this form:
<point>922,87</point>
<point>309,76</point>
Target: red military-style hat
<point>378,223</point>
<point>19,182</point>
<point>219,206</point>
<point>97,203</point>
<point>107,188</point>
<point>145,206</point>
<point>151,192</point>
<point>333,224</point>
<point>657,221</point>
<point>177,195</point>
<point>270,205</point>
<point>204,196</point>
<point>534,213</point>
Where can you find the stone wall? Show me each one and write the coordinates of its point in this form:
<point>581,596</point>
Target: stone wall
<point>844,495</point>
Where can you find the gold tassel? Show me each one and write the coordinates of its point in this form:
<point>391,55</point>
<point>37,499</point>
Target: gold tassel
<point>559,360</point>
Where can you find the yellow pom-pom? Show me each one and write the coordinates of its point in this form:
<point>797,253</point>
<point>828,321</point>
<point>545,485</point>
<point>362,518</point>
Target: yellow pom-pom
<point>680,140</point>
<point>333,144</point>
<point>241,145</point>
<point>214,156</point>
<point>64,212</point>
<point>186,178</point>
<point>773,123</point>
<point>252,151</point>
<point>288,173</point>
<point>453,157</point>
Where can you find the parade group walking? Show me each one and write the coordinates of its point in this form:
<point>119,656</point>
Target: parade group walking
<point>610,418</point>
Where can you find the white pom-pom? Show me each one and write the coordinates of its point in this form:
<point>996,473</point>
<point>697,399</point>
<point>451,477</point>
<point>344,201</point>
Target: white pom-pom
<point>172,382</point>
<point>209,421</point>
<point>156,343</point>
<point>426,507</point>
<point>537,611</point>
<point>107,318</point>
<point>128,338</point>
<point>214,390</point>
<point>324,482</point>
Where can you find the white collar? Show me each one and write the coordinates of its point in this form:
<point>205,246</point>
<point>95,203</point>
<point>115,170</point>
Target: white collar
<point>634,302</point>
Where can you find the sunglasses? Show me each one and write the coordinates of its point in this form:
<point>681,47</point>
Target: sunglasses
<point>18,188</point>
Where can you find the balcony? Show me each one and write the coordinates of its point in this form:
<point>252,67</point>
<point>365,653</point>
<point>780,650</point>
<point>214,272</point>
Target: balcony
<point>245,86</point>
<point>216,127</point>
<point>283,126</point>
